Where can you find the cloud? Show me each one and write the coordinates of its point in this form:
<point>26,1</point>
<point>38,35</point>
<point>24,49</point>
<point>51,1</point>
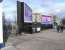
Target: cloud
<point>1,10</point>
<point>54,6</point>
<point>43,6</point>
<point>9,8</point>
<point>42,11</point>
<point>59,7</point>
<point>20,0</point>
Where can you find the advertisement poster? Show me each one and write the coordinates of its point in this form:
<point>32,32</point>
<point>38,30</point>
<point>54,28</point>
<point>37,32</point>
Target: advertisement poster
<point>46,20</point>
<point>1,27</point>
<point>27,14</point>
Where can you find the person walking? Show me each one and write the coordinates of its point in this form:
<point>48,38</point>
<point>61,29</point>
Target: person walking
<point>58,28</point>
<point>62,28</point>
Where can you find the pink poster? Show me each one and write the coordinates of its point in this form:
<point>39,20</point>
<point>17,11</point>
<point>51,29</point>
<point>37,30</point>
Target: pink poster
<point>46,20</point>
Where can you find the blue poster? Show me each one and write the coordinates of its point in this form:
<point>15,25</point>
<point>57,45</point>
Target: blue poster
<point>27,14</point>
<point>46,20</point>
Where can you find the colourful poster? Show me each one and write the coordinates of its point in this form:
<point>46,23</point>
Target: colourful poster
<point>27,14</point>
<point>46,20</point>
<point>1,27</point>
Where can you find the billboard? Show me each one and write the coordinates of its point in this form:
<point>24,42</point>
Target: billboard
<point>1,27</point>
<point>27,14</point>
<point>46,19</point>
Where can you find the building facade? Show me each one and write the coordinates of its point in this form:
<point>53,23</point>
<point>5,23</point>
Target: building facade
<point>36,17</point>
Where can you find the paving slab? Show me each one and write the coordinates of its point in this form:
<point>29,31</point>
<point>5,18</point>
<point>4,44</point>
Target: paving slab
<point>9,48</point>
<point>45,40</point>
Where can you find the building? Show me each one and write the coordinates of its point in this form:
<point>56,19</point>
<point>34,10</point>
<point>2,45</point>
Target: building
<point>36,17</point>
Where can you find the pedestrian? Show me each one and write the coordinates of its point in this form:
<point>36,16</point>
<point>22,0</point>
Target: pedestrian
<point>58,28</point>
<point>62,28</point>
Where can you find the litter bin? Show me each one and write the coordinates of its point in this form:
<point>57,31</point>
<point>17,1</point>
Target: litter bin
<point>36,27</point>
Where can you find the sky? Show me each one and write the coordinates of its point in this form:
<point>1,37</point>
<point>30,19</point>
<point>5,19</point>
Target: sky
<point>55,7</point>
<point>9,8</point>
<point>1,9</point>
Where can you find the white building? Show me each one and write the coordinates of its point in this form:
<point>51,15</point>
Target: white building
<point>36,17</point>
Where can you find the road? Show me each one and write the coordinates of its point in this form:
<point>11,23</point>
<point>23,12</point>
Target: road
<point>45,40</point>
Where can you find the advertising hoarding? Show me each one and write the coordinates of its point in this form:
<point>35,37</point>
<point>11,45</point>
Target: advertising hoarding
<point>1,29</point>
<point>46,20</point>
<point>27,14</point>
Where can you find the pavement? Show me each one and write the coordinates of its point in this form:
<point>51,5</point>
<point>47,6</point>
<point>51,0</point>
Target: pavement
<point>45,40</point>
